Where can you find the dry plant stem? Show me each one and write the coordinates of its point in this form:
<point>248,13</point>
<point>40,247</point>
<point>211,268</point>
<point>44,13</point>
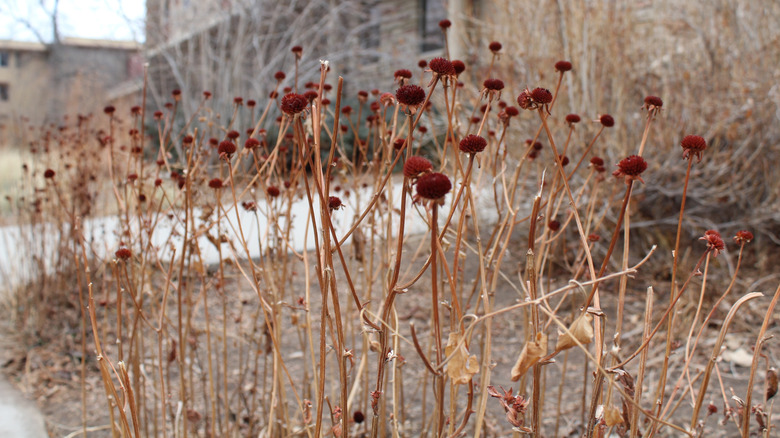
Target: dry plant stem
<point>573,206</point>
<point>634,420</point>
<point>438,380</point>
<point>754,366</point>
<point>531,279</point>
<point>666,314</point>
<point>670,324</point>
<point>689,355</point>
<point>715,353</point>
<point>388,304</point>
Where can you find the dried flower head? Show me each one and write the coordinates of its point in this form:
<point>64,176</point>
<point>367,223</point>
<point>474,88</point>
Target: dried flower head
<point>714,242</point>
<point>297,50</point>
<point>554,225</point>
<point>109,110</point>
<point>652,102</point>
<point>593,237</point>
<point>607,120</point>
<point>226,149</point>
<point>493,84</point>
<point>495,46</point>
<point>238,100</point>
<point>512,111</point>
<point>597,161</point>
<point>441,67</point>
<point>541,96</point>
<point>251,103</point>
<point>48,174</point>
<point>358,417</point>
<point>272,191</point>
<point>251,143</point>
<point>294,103</point>
<point>562,66</point>
<point>743,236</point>
<point>123,253</point>
<point>572,119</point>
<point>399,143</point>
<point>445,24</point>
<point>459,66</point>
<point>410,95</point>
<point>334,203</point>
<point>215,183</point>
<point>422,63</point>
<point>402,75</point>
<point>231,135</point>
<point>433,186</point>
<point>472,144</point>
<point>631,168</point>
<point>693,146</point>
<point>416,165</point>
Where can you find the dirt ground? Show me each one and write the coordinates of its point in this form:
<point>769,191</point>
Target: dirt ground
<point>47,367</point>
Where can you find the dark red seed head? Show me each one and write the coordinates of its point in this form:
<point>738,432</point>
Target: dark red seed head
<point>238,100</point>
<point>495,46</point>
<point>272,191</point>
<point>215,183</point>
<point>233,135</point>
<point>541,96</point>
<point>512,111</point>
<point>207,94</point>
<point>554,225</point>
<point>433,185</point>
<point>563,66</point>
<point>472,144</point>
<point>298,50</point>
<point>714,242</point>
<point>416,165</point>
<point>493,84</point>
<point>48,174</point>
<point>631,168</point>
<point>227,148</point>
<point>422,63</point>
<point>441,66</point>
<point>294,103</point>
<point>410,95</point>
<point>251,103</point>
<point>694,143</point>
<point>402,74</point>
<point>251,143</point>
<point>743,236</point>
<point>334,203</point>
<point>109,109</point>
<point>573,118</point>
<point>123,253</point>
<point>311,95</point>
<point>445,24</point>
<point>597,161</point>
<point>459,66</point>
<point>399,143</point>
<point>654,101</point>
<point>607,120</point>
<point>524,100</point>
<point>358,417</point>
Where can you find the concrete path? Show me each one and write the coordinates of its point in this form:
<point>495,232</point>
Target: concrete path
<point>19,417</point>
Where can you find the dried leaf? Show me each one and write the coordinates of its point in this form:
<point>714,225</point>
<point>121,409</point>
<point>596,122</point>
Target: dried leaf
<point>462,367</point>
<point>581,330</point>
<point>771,383</point>
<point>530,356</point>
<point>612,416</point>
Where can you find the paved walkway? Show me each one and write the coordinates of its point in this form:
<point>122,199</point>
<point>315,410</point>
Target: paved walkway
<point>19,417</point>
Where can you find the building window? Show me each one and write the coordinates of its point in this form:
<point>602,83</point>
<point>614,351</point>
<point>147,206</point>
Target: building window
<point>4,59</point>
<point>431,36</point>
<point>3,92</point>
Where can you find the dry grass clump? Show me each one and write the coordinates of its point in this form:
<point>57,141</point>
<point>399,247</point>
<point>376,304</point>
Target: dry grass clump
<point>271,271</point>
